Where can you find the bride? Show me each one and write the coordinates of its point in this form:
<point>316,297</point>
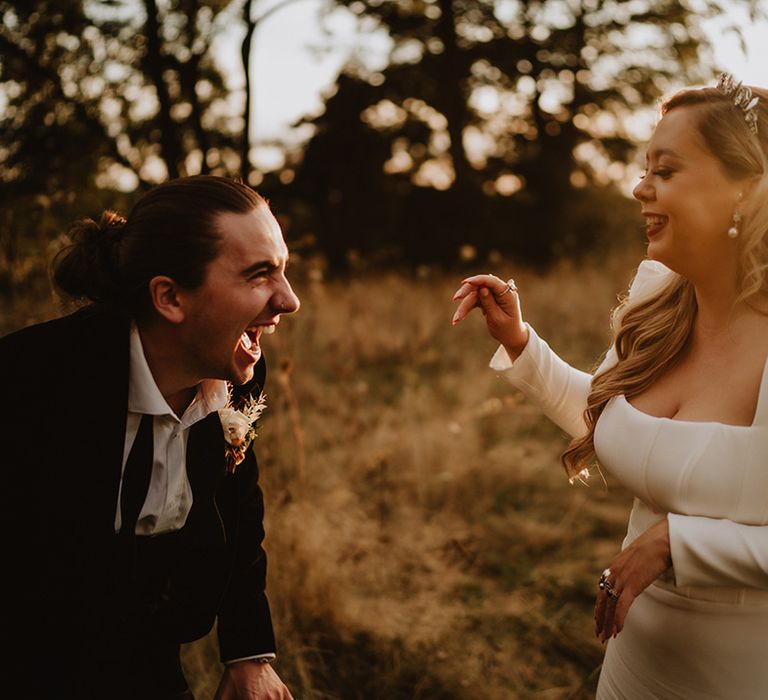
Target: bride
<point>678,410</point>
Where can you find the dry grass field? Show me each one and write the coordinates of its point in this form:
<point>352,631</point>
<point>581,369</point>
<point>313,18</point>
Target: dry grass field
<point>423,540</point>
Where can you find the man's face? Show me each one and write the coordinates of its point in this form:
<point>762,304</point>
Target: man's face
<point>243,295</point>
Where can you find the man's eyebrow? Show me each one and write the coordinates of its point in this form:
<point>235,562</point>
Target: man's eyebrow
<point>260,266</point>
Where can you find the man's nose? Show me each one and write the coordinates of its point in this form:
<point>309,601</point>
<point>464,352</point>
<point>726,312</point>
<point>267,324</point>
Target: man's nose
<point>285,300</point>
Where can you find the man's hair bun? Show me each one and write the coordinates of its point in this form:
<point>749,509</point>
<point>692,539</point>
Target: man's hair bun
<point>88,268</point>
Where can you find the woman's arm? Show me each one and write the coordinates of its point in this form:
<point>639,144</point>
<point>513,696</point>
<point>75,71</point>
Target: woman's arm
<point>714,552</point>
<point>557,388</point>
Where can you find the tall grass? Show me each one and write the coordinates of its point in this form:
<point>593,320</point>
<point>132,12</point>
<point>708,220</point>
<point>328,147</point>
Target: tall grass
<point>423,539</point>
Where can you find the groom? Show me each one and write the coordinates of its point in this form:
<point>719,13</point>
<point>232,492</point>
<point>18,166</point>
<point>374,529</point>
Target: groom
<point>131,524</point>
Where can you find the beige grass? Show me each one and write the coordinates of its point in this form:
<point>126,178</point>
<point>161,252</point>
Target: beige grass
<point>417,510</point>
<point>423,540</point>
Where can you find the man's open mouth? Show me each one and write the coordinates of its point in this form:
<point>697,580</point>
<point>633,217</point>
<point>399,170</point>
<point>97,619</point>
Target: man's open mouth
<point>250,337</point>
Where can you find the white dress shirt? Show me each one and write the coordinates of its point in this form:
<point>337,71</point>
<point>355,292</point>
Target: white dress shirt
<point>169,498</point>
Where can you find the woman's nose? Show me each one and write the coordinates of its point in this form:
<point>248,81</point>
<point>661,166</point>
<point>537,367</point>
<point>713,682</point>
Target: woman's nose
<point>643,190</point>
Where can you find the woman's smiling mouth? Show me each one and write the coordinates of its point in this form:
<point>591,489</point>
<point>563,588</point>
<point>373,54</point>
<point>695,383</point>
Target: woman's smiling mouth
<point>654,223</point>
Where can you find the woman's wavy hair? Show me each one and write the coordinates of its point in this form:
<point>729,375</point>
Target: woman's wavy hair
<point>650,337</point>
<point>170,231</point>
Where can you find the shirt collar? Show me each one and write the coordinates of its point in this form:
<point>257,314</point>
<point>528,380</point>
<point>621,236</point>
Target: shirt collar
<point>145,397</point>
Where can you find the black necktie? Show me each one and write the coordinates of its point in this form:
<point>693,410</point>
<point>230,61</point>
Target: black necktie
<point>136,478</point>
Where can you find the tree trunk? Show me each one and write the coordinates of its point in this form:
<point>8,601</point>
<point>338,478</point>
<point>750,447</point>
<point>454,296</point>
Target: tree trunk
<point>169,142</point>
<point>454,100</point>
<point>245,147</point>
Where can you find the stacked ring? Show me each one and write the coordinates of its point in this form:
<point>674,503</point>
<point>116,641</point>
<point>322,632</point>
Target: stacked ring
<point>605,585</point>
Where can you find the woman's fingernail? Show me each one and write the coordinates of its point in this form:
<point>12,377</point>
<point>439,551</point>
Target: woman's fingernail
<point>484,292</point>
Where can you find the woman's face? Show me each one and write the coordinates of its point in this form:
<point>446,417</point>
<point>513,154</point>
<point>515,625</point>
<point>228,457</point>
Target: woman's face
<point>688,201</point>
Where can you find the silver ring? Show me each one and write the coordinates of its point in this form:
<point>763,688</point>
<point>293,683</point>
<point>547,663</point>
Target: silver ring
<point>606,573</point>
<point>607,586</point>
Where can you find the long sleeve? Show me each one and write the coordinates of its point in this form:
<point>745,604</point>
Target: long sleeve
<point>715,552</point>
<point>557,388</point>
<point>244,619</point>
<point>560,390</point>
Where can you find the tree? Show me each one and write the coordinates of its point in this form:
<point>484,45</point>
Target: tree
<point>115,95</point>
<point>510,111</point>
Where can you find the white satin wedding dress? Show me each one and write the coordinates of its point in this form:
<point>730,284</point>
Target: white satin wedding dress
<point>701,630</point>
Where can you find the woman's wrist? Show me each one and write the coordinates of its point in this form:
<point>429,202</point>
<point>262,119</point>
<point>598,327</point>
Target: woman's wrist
<point>515,347</point>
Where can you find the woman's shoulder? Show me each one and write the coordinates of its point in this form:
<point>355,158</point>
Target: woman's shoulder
<point>650,277</point>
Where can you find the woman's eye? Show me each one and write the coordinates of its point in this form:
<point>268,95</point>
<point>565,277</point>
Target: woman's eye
<point>663,173</point>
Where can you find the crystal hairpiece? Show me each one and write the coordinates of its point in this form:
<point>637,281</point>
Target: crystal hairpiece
<point>741,96</point>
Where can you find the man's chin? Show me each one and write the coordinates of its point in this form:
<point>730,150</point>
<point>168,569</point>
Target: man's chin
<point>242,375</point>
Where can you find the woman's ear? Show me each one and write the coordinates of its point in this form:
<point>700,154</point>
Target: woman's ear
<point>165,299</point>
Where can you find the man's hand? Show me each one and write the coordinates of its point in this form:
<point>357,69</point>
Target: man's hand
<point>250,680</point>
<point>631,572</point>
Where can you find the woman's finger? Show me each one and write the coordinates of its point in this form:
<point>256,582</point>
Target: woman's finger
<point>462,291</point>
<point>622,608</point>
<point>495,284</point>
<point>610,615</point>
<point>468,303</point>
<point>599,613</point>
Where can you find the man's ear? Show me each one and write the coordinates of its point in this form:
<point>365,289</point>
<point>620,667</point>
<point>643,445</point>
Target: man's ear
<point>165,298</point>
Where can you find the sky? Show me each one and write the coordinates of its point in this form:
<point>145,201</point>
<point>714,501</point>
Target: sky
<point>293,62</point>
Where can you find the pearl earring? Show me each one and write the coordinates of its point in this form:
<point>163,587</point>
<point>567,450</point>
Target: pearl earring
<point>733,232</point>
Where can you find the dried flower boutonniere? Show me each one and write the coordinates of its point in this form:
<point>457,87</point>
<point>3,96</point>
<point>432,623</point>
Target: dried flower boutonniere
<point>239,426</point>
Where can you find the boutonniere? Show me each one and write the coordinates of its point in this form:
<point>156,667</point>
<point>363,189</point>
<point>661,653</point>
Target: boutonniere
<point>239,426</point>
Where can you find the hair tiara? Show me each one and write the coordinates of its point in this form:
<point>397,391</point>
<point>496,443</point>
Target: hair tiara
<point>741,96</point>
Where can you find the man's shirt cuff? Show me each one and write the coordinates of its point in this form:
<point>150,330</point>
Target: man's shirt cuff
<point>255,657</point>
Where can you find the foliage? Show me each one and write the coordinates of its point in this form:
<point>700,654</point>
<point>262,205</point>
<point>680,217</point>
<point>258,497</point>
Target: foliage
<point>490,114</point>
<point>104,95</point>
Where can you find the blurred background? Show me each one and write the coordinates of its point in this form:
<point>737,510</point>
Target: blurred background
<point>423,540</point>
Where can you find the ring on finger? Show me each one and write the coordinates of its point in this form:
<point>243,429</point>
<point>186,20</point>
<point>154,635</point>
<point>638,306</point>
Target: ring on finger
<point>607,586</point>
<point>510,287</point>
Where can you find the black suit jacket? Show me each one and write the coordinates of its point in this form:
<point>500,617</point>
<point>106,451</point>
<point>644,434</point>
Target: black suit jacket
<point>65,390</point>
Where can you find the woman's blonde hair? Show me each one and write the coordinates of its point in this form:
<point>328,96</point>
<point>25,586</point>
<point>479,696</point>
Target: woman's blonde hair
<point>650,337</point>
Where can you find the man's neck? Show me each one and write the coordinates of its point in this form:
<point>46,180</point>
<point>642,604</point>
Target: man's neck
<point>161,353</point>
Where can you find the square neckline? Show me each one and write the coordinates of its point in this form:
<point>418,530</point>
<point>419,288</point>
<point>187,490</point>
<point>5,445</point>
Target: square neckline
<point>753,424</point>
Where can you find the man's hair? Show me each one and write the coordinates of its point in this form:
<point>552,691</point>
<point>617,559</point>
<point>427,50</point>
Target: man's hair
<point>170,231</point>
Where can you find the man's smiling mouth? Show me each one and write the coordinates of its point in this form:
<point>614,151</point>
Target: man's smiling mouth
<point>250,337</point>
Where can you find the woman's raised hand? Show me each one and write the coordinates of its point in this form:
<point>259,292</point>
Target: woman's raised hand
<point>500,304</point>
